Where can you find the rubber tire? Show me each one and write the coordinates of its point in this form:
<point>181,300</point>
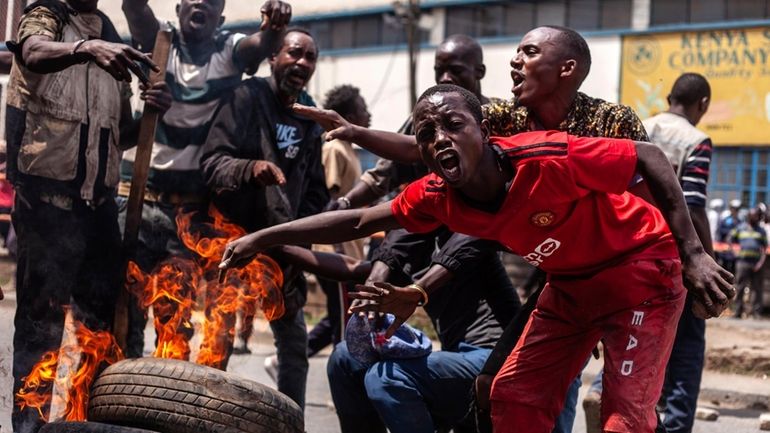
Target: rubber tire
<point>173,396</point>
<point>88,427</point>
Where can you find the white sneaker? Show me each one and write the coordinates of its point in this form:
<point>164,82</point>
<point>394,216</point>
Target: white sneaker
<point>271,367</point>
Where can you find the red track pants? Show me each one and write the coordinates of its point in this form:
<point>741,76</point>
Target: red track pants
<point>633,308</point>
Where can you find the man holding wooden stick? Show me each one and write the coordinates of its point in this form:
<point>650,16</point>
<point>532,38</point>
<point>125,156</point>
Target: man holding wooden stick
<point>205,64</point>
<point>68,120</point>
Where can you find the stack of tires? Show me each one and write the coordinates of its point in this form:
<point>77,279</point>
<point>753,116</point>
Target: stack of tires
<point>150,395</point>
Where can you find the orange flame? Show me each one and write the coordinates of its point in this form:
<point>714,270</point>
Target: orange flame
<point>95,348</point>
<point>173,286</point>
<point>169,290</point>
<point>259,282</point>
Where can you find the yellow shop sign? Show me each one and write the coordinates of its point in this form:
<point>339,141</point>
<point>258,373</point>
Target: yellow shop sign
<point>735,61</point>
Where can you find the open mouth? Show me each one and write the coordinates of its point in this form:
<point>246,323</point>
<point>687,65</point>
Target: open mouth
<point>449,162</point>
<point>518,80</point>
<point>198,17</point>
<point>297,77</point>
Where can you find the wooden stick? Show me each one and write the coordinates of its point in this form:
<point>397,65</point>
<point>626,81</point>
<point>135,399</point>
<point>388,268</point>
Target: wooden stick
<point>138,182</point>
<point>69,362</point>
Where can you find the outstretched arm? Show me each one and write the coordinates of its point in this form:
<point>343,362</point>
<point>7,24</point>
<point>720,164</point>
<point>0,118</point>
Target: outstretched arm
<point>260,45</point>
<point>141,23</point>
<point>338,267</point>
<point>390,145</point>
<point>710,284</point>
<point>325,228</point>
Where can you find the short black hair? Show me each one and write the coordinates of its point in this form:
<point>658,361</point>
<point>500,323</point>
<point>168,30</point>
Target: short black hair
<point>471,100</point>
<point>576,46</point>
<point>469,45</point>
<point>295,29</point>
<point>689,88</point>
<point>342,99</point>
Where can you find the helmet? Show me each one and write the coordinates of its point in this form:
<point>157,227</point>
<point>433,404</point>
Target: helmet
<point>716,203</point>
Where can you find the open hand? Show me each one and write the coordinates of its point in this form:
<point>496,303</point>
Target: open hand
<point>386,298</point>
<point>711,285</point>
<point>239,252</point>
<point>275,15</point>
<point>117,59</point>
<point>380,272</point>
<point>337,127</point>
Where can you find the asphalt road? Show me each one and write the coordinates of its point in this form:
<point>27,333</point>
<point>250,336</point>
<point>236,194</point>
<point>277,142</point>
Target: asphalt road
<point>319,414</point>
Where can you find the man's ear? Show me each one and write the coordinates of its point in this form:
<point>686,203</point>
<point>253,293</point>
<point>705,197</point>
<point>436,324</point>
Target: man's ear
<point>485,130</point>
<point>177,8</point>
<point>668,100</point>
<point>481,71</point>
<point>568,68</point>
<point>703,104</point>
<point>221,20</point>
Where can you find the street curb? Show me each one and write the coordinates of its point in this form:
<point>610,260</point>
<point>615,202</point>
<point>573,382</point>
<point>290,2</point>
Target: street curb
<point>734,399</point>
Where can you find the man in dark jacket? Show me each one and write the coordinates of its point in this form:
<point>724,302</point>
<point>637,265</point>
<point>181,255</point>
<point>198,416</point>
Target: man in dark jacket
<point>263,163</point>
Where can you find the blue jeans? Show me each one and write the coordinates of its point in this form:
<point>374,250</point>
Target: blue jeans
<point>405,395</point>
<point>683,372</point>
<point>413,395</point>
<point>566,418</point>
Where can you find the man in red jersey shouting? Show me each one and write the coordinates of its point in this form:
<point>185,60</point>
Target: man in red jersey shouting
<point>560,202</point>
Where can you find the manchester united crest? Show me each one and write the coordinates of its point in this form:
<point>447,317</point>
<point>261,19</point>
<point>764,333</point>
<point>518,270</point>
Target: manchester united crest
<point>542,219</point>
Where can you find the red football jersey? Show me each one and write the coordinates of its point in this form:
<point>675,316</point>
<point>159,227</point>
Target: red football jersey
<point>566,210</point>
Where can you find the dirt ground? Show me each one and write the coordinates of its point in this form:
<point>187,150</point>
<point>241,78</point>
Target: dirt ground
<point>738,346</point>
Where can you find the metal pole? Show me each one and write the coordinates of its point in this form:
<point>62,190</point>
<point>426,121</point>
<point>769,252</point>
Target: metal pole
<point>412,15</point>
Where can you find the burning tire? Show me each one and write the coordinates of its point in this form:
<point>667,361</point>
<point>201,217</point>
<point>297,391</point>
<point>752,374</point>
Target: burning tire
<point>173,396</point>
<point>88,427</point>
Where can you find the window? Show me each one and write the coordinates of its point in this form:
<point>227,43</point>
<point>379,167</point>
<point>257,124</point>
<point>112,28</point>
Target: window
<point>362,31</point>
<point>746,9</point>
<point>477,21</point>
<point>519,18</point>
<point>461,20</point>
<point>510,18</point>
<point>551,13</point>
<point>393,32</point>
<point>706,10</point>
<point>699,11</point>
<point>740,173</point>
<point>367,31</point>
<point>616,14</point>
<point>668,12</point>
<point>322,34</point>
<point>584,14</point>
<point>342,34</point>
<point>490,21</point>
